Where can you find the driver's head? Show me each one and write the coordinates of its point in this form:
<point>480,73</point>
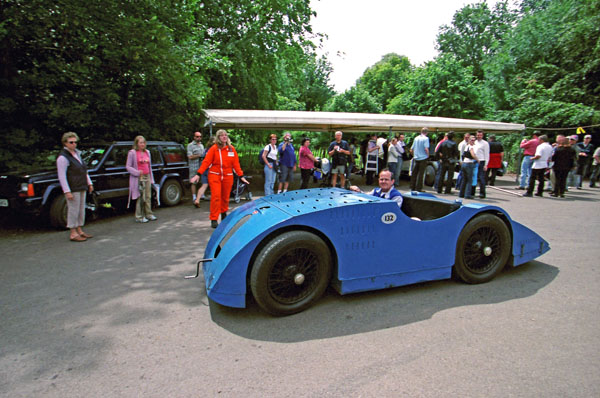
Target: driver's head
<point>386,180</point>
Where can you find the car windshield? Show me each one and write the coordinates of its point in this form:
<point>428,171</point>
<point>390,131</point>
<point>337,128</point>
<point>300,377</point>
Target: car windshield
<point>92,155</point>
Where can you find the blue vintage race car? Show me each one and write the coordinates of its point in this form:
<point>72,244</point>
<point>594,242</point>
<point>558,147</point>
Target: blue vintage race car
<point>287,249</point>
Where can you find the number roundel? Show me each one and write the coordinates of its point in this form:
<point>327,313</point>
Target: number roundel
<point>388,218</point>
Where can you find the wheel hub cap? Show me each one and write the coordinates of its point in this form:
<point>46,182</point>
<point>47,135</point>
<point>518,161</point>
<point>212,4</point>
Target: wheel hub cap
<point>299,279</point>
<point>487,251</point>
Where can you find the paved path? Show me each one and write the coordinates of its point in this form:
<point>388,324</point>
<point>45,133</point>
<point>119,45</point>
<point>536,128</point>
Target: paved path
<point>113,317</point>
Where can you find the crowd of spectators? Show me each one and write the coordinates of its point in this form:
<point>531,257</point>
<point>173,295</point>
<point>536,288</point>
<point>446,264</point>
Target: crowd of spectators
<point>555,166</point>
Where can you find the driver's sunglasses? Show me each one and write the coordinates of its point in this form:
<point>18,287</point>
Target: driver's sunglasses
<point>72,142</point>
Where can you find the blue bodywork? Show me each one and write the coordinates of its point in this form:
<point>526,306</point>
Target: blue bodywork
<point>362,232</point>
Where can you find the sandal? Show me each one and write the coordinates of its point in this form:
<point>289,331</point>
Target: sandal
<point>78,238</point>
<point>87,236</point>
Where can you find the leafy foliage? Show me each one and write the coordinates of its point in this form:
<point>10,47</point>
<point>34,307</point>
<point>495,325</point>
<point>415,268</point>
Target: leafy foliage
<point>475,34</point>
<point>385,79</point>
<point>113,69</point>
<point>441,88</point>
<point>547,73</point>
<point>356,99</point>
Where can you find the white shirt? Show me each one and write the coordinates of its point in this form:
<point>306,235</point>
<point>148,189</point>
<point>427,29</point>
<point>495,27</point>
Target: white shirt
<point>544,150</point>
<point>380,142</point>
<point>271,152</point>
<point>461,147</point>
<point>468,149</point>
<point>400,147</point>
<point>482,151</point>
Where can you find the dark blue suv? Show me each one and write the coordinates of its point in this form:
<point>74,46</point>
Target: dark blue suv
<point>40,193</point>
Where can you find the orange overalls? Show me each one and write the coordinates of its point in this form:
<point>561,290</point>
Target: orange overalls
<point>220,164</point>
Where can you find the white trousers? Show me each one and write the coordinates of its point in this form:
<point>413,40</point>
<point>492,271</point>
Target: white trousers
<point>76,210</point>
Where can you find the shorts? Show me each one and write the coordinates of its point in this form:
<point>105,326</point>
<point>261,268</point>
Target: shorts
<point>203,178</point>
<point>287,174</point>
<point>339,169</point>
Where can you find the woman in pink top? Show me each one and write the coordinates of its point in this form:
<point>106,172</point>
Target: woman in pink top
<point>306,163</point>
<point>139,165</point>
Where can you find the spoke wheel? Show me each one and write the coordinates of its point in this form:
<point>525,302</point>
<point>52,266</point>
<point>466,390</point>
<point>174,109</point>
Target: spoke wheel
<point>290,273</point>
<point>483,248</point>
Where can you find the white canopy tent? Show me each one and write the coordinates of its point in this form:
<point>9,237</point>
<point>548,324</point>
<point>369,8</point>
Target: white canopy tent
<point>347,122</point>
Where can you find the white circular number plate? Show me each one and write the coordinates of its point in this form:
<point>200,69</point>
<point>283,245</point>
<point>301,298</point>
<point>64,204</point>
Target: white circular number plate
<point>388,218</point>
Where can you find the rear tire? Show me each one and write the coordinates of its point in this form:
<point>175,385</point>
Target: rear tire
<point>290,273</point>
<point>171,193</point>
<point>482,250</point>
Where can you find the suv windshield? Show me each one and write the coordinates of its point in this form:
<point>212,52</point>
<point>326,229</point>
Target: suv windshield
<point>92,155</point>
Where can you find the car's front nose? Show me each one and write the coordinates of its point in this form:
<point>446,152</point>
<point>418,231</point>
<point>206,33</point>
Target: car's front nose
<point>230,249</point>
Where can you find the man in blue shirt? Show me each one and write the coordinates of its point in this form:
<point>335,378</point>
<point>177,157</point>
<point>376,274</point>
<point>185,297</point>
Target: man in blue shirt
<point>287,161</point>
<point>420,152</point>
<point>386,188</point>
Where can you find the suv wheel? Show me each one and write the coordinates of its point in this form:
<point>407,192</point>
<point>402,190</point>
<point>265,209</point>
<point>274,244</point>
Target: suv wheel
<point>171,193</point>
<point>58,212</point>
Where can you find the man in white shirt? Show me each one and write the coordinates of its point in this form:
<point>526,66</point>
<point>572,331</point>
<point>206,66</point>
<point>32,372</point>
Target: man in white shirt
<point>482,150</point>
<point>543,153</point>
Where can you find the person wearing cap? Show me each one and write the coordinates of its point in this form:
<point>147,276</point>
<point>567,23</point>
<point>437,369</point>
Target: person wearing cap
<point>529,147</point>
<point>585,151</point>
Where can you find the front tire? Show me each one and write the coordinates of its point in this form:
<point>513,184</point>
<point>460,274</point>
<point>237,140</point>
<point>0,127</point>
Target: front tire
<point>58,212</point>
<point>482,250</point>
<point>171,193</point>
<point>290,273</point>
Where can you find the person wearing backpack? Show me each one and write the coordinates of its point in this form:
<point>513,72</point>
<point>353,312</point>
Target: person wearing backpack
<point>269,159</point>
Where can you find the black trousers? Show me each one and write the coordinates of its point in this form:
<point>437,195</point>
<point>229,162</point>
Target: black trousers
<point>305,174</point>
<point>491,176</point>
<point>447,167</point>
<point>536,174</point>
<point>416,178</point>
<point>561,181</point>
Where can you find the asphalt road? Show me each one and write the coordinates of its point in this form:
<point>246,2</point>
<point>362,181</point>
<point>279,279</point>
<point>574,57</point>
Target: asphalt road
<point>113,317</point>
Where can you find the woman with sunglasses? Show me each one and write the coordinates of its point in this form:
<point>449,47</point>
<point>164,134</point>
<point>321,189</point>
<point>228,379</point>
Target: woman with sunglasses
<point>74,181</point>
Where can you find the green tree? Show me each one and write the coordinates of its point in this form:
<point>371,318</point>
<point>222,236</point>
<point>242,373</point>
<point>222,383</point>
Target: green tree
<point>355,99</point>
<point>112,69</point>
<point>384,79</point>
<point>440,88</point>
<point>475,33</point>
<point>252,37</point>
<point>547,72</point>
<point>107,69</point>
